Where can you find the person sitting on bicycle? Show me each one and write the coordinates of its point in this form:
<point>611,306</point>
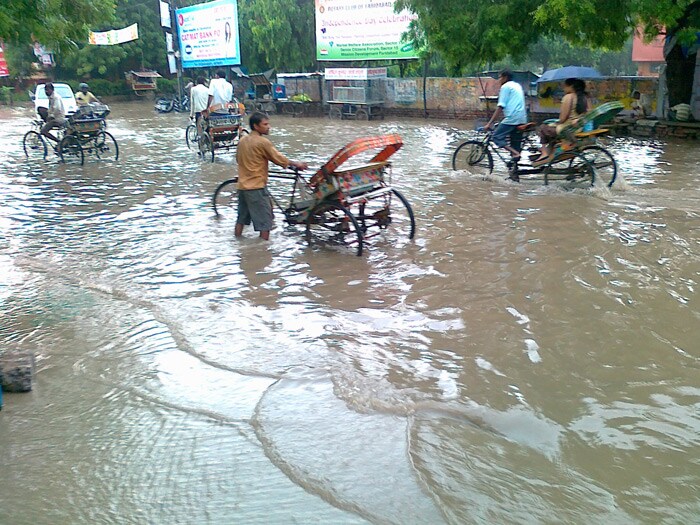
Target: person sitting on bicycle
<point>56,115</point>
<point>220,92</point>
<point>199,100</point>
<point>84,97</point>
<point>511,105</point>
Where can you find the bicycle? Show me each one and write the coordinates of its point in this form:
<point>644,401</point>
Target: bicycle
<point>570,162</point>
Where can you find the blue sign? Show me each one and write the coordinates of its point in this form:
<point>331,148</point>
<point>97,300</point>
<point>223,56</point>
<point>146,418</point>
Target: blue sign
<point>208,34</point>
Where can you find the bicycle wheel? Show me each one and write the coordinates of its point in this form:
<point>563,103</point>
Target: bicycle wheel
<point>225,195</point>
<point>570,166</point>
<point>473,156</point>
<point>106,146</point>
<point>603,162</point>
<point>71,151</point>
<point>34,146</point>
<point>331,224</point>
<point>191,136</point>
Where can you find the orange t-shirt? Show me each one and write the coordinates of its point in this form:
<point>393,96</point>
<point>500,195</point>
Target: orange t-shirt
<point>253,154</point>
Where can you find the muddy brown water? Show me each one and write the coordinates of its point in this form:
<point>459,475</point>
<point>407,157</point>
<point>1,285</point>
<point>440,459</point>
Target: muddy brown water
<point>533,356</point>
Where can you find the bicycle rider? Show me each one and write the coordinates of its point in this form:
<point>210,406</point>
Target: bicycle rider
<point>199,99</point>
<point>56,115</point>
<point>511,105</point>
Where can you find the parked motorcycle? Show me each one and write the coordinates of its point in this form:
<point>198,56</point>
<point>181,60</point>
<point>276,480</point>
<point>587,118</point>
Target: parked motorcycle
<point>172,103</point>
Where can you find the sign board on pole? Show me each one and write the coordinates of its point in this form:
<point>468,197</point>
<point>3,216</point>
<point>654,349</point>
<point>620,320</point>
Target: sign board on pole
<point>165,15</point>
<point>208,34</point>
<point>361,30</point>
<point>355,73</point>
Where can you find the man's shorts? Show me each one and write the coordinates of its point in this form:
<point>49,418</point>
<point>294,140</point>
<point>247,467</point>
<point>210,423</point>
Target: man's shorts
<point>503,131</point>
<point>255,205</point>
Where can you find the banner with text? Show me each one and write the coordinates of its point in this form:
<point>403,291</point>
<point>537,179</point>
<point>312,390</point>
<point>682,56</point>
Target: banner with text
<point>115,36</point>
<point>361,30</point>
<point>208,34</point>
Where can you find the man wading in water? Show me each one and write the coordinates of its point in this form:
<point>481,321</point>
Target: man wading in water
<point>253,153</point>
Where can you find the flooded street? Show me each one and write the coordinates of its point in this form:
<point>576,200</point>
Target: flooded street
<point>533,355</point>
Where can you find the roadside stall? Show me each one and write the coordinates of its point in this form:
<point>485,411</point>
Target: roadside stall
<point>304,94</point>
<point>355,93</point>
<point>142,82</point>
<point>262,94</point>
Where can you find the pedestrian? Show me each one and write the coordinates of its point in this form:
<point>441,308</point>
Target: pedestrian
<point>511,105</point>
<point>252,156</point>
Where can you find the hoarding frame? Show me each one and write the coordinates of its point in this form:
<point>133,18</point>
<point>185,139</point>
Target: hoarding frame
<point>201,30</point>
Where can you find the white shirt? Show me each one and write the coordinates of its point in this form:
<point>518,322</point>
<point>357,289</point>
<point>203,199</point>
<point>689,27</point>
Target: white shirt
<point>56,109</point>
<point>221,90</point>
<point>199,96</point>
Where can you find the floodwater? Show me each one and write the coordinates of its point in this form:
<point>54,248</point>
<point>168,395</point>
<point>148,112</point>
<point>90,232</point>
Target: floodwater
<point>533,356</point>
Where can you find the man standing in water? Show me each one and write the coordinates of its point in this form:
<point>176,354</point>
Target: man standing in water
<point>511,105</point>
<point>253,153</point>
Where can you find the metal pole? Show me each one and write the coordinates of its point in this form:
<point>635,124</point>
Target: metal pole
<point>176,46</point>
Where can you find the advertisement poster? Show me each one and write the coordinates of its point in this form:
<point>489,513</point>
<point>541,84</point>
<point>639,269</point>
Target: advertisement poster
<point>208,34</point>
<point>361,30</point>
<point>115,36</point>
<point>4,70</point>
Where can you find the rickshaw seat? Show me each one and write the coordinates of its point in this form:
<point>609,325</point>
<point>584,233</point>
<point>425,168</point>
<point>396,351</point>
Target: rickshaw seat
<point>587,134</point>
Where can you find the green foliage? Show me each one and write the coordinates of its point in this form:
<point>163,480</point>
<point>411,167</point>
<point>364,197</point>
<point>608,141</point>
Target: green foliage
<point>477,32</point>
<point>20,60</point>
<point>277,34</point>
<point>58,24</point>
<point>112,61</point>
<point>102,88</point>
<point>166,85</point>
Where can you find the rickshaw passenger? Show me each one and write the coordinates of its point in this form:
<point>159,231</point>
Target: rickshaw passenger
<point>511,104</point>
<point>574,105</point>
<point>220,91</point>
<point>253,154</point>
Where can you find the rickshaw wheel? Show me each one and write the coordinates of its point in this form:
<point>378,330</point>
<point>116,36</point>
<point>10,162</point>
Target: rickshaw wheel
<point>401,222</point>
<point>224,195</point>
<point>473,156</point>
<point>71,151</point>
<point>361,114</point>
<point>570,166</point>
<point>191,136</point>
<point>332,224</point>
<point>604,164</point>
<point>106,146</point>
<point>335,113</point>
<point>34,146</point>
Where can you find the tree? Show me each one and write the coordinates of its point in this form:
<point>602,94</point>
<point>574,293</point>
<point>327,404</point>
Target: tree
<point>277,33</point>
<point>58,24</point>
<point>477,32</point>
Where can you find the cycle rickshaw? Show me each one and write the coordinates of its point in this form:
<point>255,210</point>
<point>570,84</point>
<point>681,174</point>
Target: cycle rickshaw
<point>577,156</point>
<point>342,208</point>
<point>222,129</point>
<point>83,133</point>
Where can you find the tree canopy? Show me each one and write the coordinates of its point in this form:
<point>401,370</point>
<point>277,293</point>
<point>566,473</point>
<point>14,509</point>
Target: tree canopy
<point>58,24</point>
<point>473,32</point>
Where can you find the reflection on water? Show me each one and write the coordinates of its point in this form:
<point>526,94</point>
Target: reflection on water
<point>531,357</point>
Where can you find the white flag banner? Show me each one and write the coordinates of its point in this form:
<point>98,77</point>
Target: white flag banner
<point>115,36</point>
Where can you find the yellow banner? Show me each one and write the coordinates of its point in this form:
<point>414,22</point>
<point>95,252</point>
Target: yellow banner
<point>115,36</point>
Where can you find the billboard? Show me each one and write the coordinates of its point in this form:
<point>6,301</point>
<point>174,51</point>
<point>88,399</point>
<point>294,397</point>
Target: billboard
<point>208,34</point>
<point>361,30</point>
